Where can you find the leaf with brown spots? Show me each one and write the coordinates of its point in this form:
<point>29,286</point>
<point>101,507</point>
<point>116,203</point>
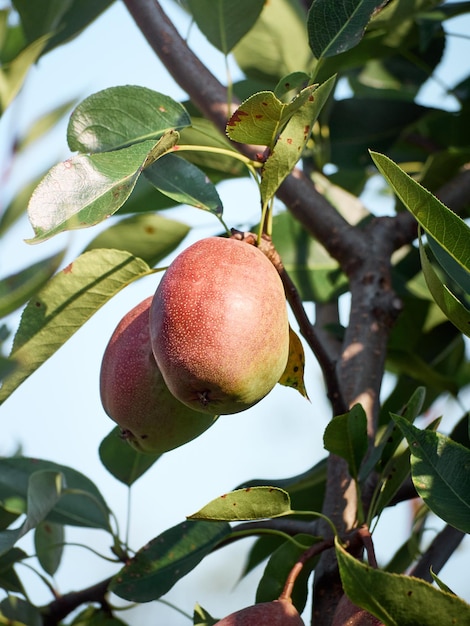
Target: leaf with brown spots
<point>294,373</point>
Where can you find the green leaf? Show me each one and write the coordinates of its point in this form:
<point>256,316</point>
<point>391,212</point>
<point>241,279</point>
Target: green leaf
<point>398,600</point>
<point>9,579</point>
<point>449,304</point>
<point>224,22</point>
<point>201,617</point>
<point>453,269</point>
<point>18,288</point>
<point>42,125</point>
<point>119,116</point>
<point>85,190</point>
<point>246,504</point>
<point>45,487</point>
<point>147,236</point>
<point>121,460</point>
<point>184,182</point>
<point>447,228</point>
<point>48,542</point>
<point>335,28</point>
<point>19,612</point>
<point>346,436</point>
<point>166,559</point>
<point>439,469</point>
<point>69,299</point>
<point>93,616</point>
<point>278,568</point>
<point>81,503</point>
<point>292,140</point>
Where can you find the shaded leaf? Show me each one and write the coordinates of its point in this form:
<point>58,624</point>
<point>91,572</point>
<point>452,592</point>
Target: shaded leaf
<point>9,579</point>
<point>18,288</point>
<point>246,504</point>
<point>293,375</point>
<point>147,236</point>
<point>123,461</point>
<point>224,22</point>
<point>68,300</point>
<point>335,28</point>
<point>163,561</point>
<point>184,182</point>
<point>20,612</point>
<point>85,190</point>
<point>81,505</point>
<point>42,125</point>
<point>48,543</point>
<point>346,436</point>
<point>201,617</point>
<point>398,600</point>
<point>439,469</point>
<point>119,116</point>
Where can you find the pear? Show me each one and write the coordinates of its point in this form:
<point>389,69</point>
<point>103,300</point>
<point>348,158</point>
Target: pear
<point>219,327</point>
<point>134,394</point>
<point>275,613</point>
<point>348,614</point>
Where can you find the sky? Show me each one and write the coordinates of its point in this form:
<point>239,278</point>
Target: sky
<point>56,414</point>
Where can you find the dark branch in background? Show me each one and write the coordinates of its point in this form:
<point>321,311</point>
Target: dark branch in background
<point>438,553</point>
<point>62,606</point>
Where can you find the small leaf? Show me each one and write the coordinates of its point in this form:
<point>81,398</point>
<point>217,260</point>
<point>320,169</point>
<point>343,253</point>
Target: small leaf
<point>85,190</point>
<point>335,28</point>
<point>18,288</point>
<point>346,436</point>
<point>201,617</point>
<point>119,116</point>
<point>67,301</point>
<point>121,460</point>
<point>163,561</point>
<point>246,504</point>
<point>439,469</point>
<point>293,375</point>
<point>148,236</point>
<point>184,182</point>
<point>42,125</point>
<point>398,600</point>
<point>225,22</point>
<point>48,542</point>
<point>447,228</point>
<point>19,612</point>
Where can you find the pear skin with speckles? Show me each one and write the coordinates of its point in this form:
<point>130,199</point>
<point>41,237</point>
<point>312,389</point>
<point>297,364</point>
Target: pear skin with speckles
<point>276,613</point>
<point>134,394</point>
<point>347,614</point>
<point>219,326</point>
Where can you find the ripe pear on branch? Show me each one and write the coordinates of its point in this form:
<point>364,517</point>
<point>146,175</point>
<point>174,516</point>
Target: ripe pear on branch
<point>134,394</point>
<point>219,327</point>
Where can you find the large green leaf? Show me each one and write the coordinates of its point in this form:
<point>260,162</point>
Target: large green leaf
<point>119,116</point>
<point>86,189</point>
<point>439,469</point>
<point>336,27</point>
<point>167,558</point>
<point>121,460</point>
<point>45,488</point>
<point>184,182</point>
<point>246,504</point>
<point>447,228</point>
<point>67,301</point>
<point>398,600</point>
<point>147,236</point>
<point>346,436</point>
<point>81,503</point>
<point>224,22</point>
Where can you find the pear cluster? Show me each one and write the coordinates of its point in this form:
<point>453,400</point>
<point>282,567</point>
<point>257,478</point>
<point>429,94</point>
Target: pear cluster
<point>213,340</point>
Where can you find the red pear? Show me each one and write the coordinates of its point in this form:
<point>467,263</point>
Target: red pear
<point>276,613</point>
<point>134,394</point>
<point>348,614</point>
<point>219,327</point>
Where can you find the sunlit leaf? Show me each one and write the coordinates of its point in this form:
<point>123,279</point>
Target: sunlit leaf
<point>85,190</point>
<point>68,300</point>
<point>157,566</point>
<point>119,116</point>
<point>439,469</point>
<point>335,28</point>
<point>293,375</point>
<point>398,600</point>
<point>122,461</point>
<point>224,22</point>
<point>246,504</point>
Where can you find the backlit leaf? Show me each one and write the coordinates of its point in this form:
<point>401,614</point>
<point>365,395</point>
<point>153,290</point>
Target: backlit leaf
<point>293,375</point>
<point>67,301</point>
<point>163,561</point>
<point>246,504</point>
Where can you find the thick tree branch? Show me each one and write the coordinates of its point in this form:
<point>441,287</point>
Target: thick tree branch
<point>62,606</point>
